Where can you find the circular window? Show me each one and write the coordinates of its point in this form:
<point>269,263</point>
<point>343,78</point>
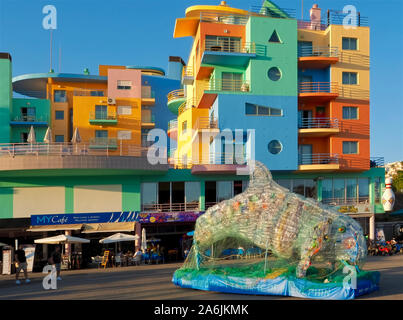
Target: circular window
<point>275,147</point>
<point>274,74</point>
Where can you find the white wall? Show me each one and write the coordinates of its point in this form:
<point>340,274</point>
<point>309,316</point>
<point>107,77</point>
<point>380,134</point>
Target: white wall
<point>38,200</point>
<point>97,198</point>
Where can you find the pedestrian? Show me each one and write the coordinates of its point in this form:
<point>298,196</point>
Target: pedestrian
<point>21,263</point>
<point>56,260</point>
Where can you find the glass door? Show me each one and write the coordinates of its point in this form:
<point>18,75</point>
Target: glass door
<point>305,154</point>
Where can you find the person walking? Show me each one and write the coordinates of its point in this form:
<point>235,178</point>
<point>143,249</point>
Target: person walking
<point>56,260</point>
<point>21,263</point>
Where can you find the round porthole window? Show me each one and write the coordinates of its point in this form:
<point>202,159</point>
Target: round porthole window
<point>274,74</point>
<point>275,147</point>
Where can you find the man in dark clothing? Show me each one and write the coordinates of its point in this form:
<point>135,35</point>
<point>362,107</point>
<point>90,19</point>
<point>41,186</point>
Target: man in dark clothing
<point>20,263</point>
<point>56,260</point>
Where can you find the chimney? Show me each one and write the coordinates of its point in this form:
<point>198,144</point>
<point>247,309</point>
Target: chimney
<point>315,14</point>
<point>175,66</point>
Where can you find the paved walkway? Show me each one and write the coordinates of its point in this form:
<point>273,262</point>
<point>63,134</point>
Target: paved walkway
<point>154,282</point>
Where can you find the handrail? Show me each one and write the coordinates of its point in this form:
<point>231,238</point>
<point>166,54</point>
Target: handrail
<point>377,162</point>
<point>190,103</point>
<point>171,207</point>
<point>103,115</point>
<point>28,118</point>
<point>90,93</point>
<point>318,158</point>
<point>318,87</point>
<point>224,18</point>
<point>345,201</point>
<point>320,51</point>
<point>176,94</point>
<point>316,123</point>
<point>206,123</point>
<point>229,85</point>
<point>227,46</point>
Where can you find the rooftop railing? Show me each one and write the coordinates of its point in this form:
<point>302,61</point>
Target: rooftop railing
<point>329,52</point>
<point>224,18</point>
<point>377,162</point>
<point>318,123</point>
<point>334,17</point>
<point>273,12</point>
<point>318,158</point>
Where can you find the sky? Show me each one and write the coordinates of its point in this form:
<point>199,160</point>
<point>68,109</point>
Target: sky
<point>140,32</point>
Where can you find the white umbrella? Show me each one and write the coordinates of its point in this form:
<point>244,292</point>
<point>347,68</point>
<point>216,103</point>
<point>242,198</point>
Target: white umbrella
<point>3,244</point>
<point>76,136</point>
<point>143,240</point>
<point>119,237</point>
<point>62,239</point>
<point>31,136</point>
<point>48,136</point>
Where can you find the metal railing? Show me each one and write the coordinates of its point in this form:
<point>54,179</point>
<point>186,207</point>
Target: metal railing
<point>318,158</point>
<point>27,118</point>
<point>206,123</point>
<point>353,93</point>
<point>273,12</point>
<point>171,207</point>
<point>173,124</point>
<point>345,201</point>
<point>188,71</point>
<point>318,123</point>
<point>103,116</point>
<point>229,85</point>
<point>334,17</point>
<point>328,52</point>
<point>176,94</point>
<point>318,87</point>
<point>229,46</point>
<point>190,103</point>
<point>109,147</point>
<point>89,93</point>
<point>211,159</point>
<point>311,25</point>
<point>220,17</point>
<point>377,162</point>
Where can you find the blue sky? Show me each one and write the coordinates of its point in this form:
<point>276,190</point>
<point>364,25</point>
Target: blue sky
<point>139,32</point>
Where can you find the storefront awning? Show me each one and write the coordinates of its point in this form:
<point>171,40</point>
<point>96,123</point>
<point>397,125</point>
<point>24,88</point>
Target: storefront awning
<point>55,227</point>
<point>108,227</point>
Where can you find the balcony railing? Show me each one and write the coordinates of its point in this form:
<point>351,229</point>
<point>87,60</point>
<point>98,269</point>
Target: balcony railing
<point>220,17</point>
<point>98,116</point>
<point>318,158</point>
<point>228,85</point>
<point>274,12</point>
<point>211,159</point>
<point>377,162</point>
<point>334,17</point>
<point>89,93</point>
<point>230,46</point>
<point>176,94</point>
<point>328,52</point>
<point>171,207</point>
<point>353,93</point>
<point>319,123</point>
<point>206,123</point>
<point>190,103</point>
<point>345,201</point>
<point>81,149</point>
<point>26,118</point>
<point>318,87</point>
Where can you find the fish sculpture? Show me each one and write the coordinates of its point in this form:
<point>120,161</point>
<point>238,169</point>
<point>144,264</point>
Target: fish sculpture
<point>288,225</point>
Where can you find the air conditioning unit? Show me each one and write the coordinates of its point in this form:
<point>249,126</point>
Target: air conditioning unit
<point>111,101</point>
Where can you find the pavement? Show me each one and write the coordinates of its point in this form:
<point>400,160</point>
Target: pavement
<point>154,282</point>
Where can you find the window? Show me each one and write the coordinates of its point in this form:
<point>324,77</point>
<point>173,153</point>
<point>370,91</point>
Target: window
<point>377,189</point>
<point>231,81</point>
<point>349,43</point>
<point>349,77</point>
<point>274,37</point>
<point>101,134</point>
<point>24,137</point>
<point>304,187</point>
<point>184,126</point>
<point>285,183</point>
<point>224,190</point>
<point>274,74</point>
<point>350,113</point>
<point>275,147</point>
<point>256,110</point>
<point>363,189</point>
<point>124,135</point>
<point>350,147</point>
<point>60,96</point>
<point>192,193</point>
<point>97,93</point>
<point>59,115</point>
<point>28,113</point>
<point>148,194</point>
<point>101,112</point>
<point>59,138</point>
<point>124,84</point>
<point>225,44</point>
<point>124,110</point>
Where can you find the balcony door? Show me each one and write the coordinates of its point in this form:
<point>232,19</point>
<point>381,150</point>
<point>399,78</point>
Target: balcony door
<point>231,81</point>
<point>304,48</point>
<point>28,114</point>
<point>223,44</point>
<point>101,112</point>
<point>305,154</point>
<point>305,118</point>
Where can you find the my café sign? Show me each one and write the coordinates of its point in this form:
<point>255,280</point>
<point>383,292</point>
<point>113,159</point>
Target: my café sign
<point>113,217</point>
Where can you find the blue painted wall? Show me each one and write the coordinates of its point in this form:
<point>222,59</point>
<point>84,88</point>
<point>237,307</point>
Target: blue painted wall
<point>318,75</point>
<point>229,109</point>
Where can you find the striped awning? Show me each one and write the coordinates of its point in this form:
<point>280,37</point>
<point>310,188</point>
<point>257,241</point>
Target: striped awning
<point>108,227</point>
<point>60,227</point>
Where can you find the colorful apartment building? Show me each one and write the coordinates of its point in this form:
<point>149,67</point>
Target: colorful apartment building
<point>258,85</point>
<point>303,86</point>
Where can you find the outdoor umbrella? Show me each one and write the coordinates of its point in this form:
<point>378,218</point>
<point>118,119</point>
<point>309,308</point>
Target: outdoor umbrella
<point>48,137</point>
<point>143,240</point>
<point>119,237</point>
<point>62,239</point>
<point>76,138</point>
<point>31,136</point>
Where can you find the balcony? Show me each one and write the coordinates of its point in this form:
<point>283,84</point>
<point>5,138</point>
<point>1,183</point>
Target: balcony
<point>95,154</point>
<point>103,143</point>
<point>187,75</point>
<point>317,57</point>
<point>228,53</point>
<point>147,121</point>
<point>103,118</point>
<point>318,162</point>
<point>206,123</point>
<point>211,88</point>
<point>317,91</point>
<point>147,96</point>
<point>175,99</point>
<point>173,129</point>
<point>170,207</point>
<point>27,121</point>
<point>318,127</point>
